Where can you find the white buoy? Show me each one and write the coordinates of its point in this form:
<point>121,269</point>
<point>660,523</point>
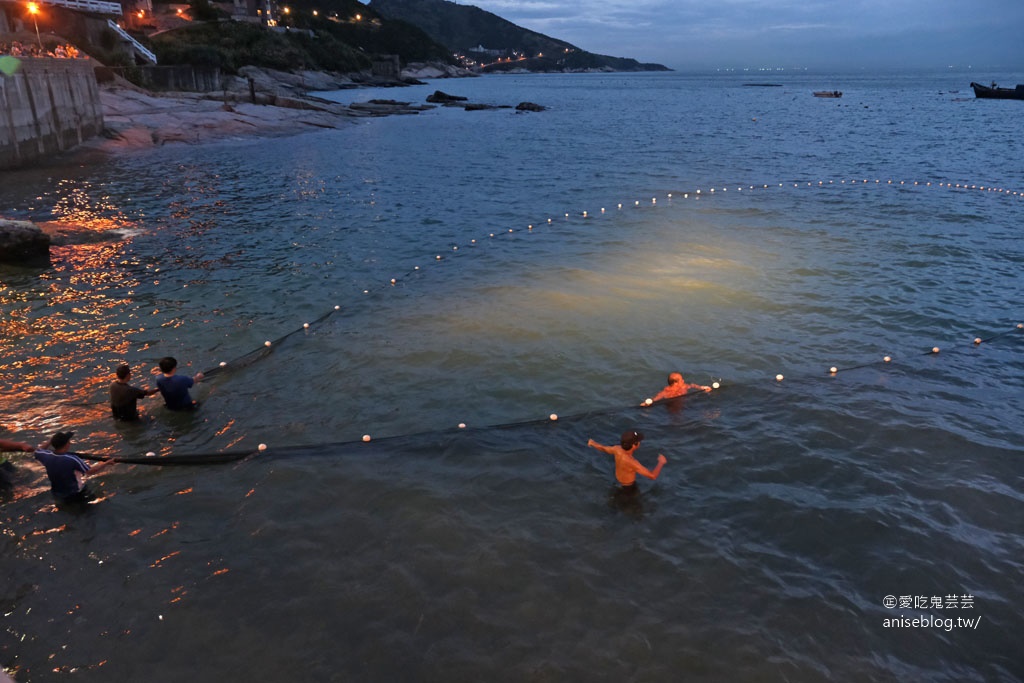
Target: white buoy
<point>223,364</point>
<point>262,447</point>
<point>455,248</point>
<point>492,234</point>
<point>584,214</point>
<point>620,206</point>
<point>670,195</point>
<point>438,257</point>
<point>337,308</point>
<point>778,378</point>
<point>977,340</point>
<point>887,359</point>
<point>648,401</point>
<point>462,425</point>
<point>305,326</point>
<point>833,370</point>
<point>366,437</point>
<point>392,280</point>
<point>266,343</point>
<point>150,454</point>
<point>935,349</point>
<point>1020,326</point>
<point>715,385</point>
<point>553,417</point>
<point>529,227</point>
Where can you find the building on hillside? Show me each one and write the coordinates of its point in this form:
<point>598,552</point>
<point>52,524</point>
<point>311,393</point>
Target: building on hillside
<point>254,11</point>
<point>387,66</point>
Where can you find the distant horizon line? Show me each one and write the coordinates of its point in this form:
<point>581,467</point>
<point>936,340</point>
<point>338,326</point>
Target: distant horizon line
<point>767,70</point>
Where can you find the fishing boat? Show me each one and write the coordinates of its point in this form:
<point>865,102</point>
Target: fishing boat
<point>828,93</point>
<point>994,93</point>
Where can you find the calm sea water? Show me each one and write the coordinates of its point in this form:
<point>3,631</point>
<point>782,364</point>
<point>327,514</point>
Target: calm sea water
<point>825,234</point>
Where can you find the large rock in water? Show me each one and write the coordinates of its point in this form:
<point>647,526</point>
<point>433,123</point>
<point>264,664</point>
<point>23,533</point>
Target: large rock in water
<point>440,97</point>
<point>22,242</point>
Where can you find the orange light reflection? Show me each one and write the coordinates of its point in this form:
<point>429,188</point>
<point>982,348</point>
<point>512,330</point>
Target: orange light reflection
<point>62,334</point>
<point>164,558</point>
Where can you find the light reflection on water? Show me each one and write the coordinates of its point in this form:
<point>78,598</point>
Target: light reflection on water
<point>787,511</point>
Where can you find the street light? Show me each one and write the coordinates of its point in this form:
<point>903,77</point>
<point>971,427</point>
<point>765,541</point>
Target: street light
<point>33,9</point>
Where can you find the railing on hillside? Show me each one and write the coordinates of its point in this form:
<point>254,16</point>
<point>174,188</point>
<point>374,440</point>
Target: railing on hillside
<point>139,47</point>
<point>97,6</point>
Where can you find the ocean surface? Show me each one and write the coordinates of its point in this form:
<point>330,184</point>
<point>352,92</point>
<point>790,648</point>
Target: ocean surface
<point>465,278</point>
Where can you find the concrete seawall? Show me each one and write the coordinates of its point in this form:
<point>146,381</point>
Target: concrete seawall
<point>47,106</point>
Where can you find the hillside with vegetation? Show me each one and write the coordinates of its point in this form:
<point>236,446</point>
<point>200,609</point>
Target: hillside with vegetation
<point>463,28</point>
<point>346,35</point>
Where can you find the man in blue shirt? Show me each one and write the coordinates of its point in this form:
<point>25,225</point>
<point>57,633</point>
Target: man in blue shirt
<point>65,470</point>
<point>173,387</point>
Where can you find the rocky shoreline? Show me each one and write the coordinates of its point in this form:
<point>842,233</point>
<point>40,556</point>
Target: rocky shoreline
<point>258,102</point>
<point>255,102</point>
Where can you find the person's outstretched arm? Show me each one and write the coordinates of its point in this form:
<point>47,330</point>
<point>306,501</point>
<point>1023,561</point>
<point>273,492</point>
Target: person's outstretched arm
<point>101,465</point>
<point>603,449</point>
<point>640,469</point>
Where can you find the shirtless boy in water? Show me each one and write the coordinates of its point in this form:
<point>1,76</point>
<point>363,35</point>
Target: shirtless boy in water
<point>626,466</point>
<point>677,387</point>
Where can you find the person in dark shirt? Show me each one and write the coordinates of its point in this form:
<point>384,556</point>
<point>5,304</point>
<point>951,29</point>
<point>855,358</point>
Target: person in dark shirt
<point>65,470</point>
<point>123,396</point>
<point>174,388</point>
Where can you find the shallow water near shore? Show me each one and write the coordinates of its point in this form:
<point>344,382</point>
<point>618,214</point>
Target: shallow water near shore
<point>485,274</point>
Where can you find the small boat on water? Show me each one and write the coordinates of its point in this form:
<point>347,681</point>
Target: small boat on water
<point>994,93</point>
<point>828,93</point>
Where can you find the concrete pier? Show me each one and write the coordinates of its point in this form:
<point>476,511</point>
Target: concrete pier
<point>47,106</point>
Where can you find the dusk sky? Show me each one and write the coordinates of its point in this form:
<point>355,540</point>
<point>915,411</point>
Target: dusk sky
<point>686,34</point>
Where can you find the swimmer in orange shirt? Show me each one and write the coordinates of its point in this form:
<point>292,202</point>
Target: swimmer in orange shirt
<point>677,387</point>
<point>626,466</point>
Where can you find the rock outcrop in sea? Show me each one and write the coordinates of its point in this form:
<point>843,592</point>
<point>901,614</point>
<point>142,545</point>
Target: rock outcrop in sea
<point>22,243</point>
